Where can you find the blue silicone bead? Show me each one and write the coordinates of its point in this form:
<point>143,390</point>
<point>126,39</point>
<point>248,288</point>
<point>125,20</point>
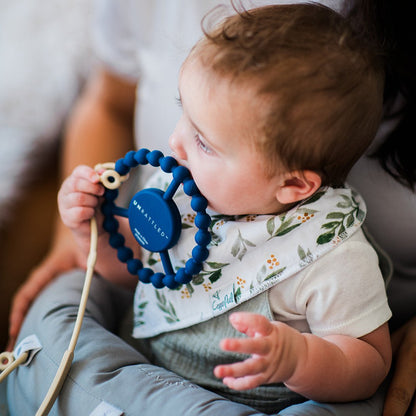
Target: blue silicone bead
<point>203,237</point>
<point>154,156</point>
<point>202,220</point>
<point>121,167</point>
<point>140,156</point>
<point>189,187</point>
<point>107,208</point>
<point>124,254</point>
<point>180,173</point>
<point>200,253</point>
<point>157,280</point>
<point>199,203</point>
<point>110,225</point>
<point>182,276</point>
<point>110,194</point>
<point>192,267</point>
<point>134,265</point>
<point>129,159</point>
<point>168,163</point>
<point>144,275</point>
<point>116,240</point>
<point>170,282</point>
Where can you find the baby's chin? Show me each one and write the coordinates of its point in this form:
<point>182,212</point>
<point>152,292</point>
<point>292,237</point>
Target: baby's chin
<point>237,211</point>
<point>219,209</point>
<point>216,209</point>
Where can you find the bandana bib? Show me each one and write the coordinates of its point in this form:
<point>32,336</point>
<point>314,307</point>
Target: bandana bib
<point>248,255</point>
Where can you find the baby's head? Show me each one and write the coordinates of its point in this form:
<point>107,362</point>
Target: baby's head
<point>291,90</point>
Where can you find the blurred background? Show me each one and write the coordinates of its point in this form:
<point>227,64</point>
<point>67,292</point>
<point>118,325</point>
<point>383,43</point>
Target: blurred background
<point>45,58</point>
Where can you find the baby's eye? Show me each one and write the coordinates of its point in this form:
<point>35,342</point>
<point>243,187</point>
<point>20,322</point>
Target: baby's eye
<point>200,143</point>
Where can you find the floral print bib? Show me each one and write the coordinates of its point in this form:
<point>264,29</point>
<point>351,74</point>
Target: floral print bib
<point>248,255</point>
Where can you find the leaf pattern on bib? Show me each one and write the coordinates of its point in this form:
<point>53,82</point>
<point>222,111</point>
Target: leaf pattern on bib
<point>283,224</point>
<point>305,257</point>
<point>240,246</point>
<point>340,221</point>
<point>139,312</point>
<point>166,307</point>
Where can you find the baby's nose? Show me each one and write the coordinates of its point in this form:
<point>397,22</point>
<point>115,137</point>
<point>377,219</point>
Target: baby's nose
<point>175,143</point>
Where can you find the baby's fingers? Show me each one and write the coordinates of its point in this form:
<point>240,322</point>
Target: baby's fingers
<point>251,324</point>
<point>79,200</point>
<point>86,172</point>
<point>243,383</point>
<point>81,188</point>
<point>83,179</point>
<point>249,367</point>
<point>258,345</point>
<point>243,375</point>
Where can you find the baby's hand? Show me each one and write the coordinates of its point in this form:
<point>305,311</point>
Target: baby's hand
<point>78,198</point>
<point>273,349</point>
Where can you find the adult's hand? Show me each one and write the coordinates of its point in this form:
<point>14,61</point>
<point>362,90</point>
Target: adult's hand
<point>400,397</point>
<point>62,257</point>
<point>100,129</point>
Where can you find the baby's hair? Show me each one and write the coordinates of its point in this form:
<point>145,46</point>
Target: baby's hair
<point>319,88</point>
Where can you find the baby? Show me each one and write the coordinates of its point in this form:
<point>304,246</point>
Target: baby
<point>278,103</point>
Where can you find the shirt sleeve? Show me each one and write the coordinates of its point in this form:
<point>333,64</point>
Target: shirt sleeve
<point>116,36</point>
<point>344,292</point>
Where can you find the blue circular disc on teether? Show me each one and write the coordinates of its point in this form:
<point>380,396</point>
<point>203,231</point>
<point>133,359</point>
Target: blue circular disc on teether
<point>155,222</point>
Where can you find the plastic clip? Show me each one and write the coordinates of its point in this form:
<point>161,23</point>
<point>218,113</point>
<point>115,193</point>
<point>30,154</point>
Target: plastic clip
<point>109,177</point>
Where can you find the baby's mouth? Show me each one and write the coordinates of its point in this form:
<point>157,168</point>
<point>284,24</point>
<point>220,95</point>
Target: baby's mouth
<point>180,161</point>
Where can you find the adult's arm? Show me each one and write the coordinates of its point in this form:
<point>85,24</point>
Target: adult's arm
<point>99,129</point>
<point>401,393</point>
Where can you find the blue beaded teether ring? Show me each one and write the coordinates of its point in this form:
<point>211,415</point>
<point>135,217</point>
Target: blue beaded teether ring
<point>154,219</point>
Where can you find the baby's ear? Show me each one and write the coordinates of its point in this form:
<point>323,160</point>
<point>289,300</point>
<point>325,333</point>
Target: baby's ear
<point>298,185</point>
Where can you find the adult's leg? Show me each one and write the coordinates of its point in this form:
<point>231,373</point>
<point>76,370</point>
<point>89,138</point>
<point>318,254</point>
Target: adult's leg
<point>105,368</point>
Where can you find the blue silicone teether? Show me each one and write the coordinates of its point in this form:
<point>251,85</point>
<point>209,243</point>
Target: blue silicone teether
<point>155,221</point>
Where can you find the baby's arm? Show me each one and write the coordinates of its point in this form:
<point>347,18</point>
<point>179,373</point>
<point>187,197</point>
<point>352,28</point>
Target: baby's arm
<point>78,200</point>
<point>332,368</point>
